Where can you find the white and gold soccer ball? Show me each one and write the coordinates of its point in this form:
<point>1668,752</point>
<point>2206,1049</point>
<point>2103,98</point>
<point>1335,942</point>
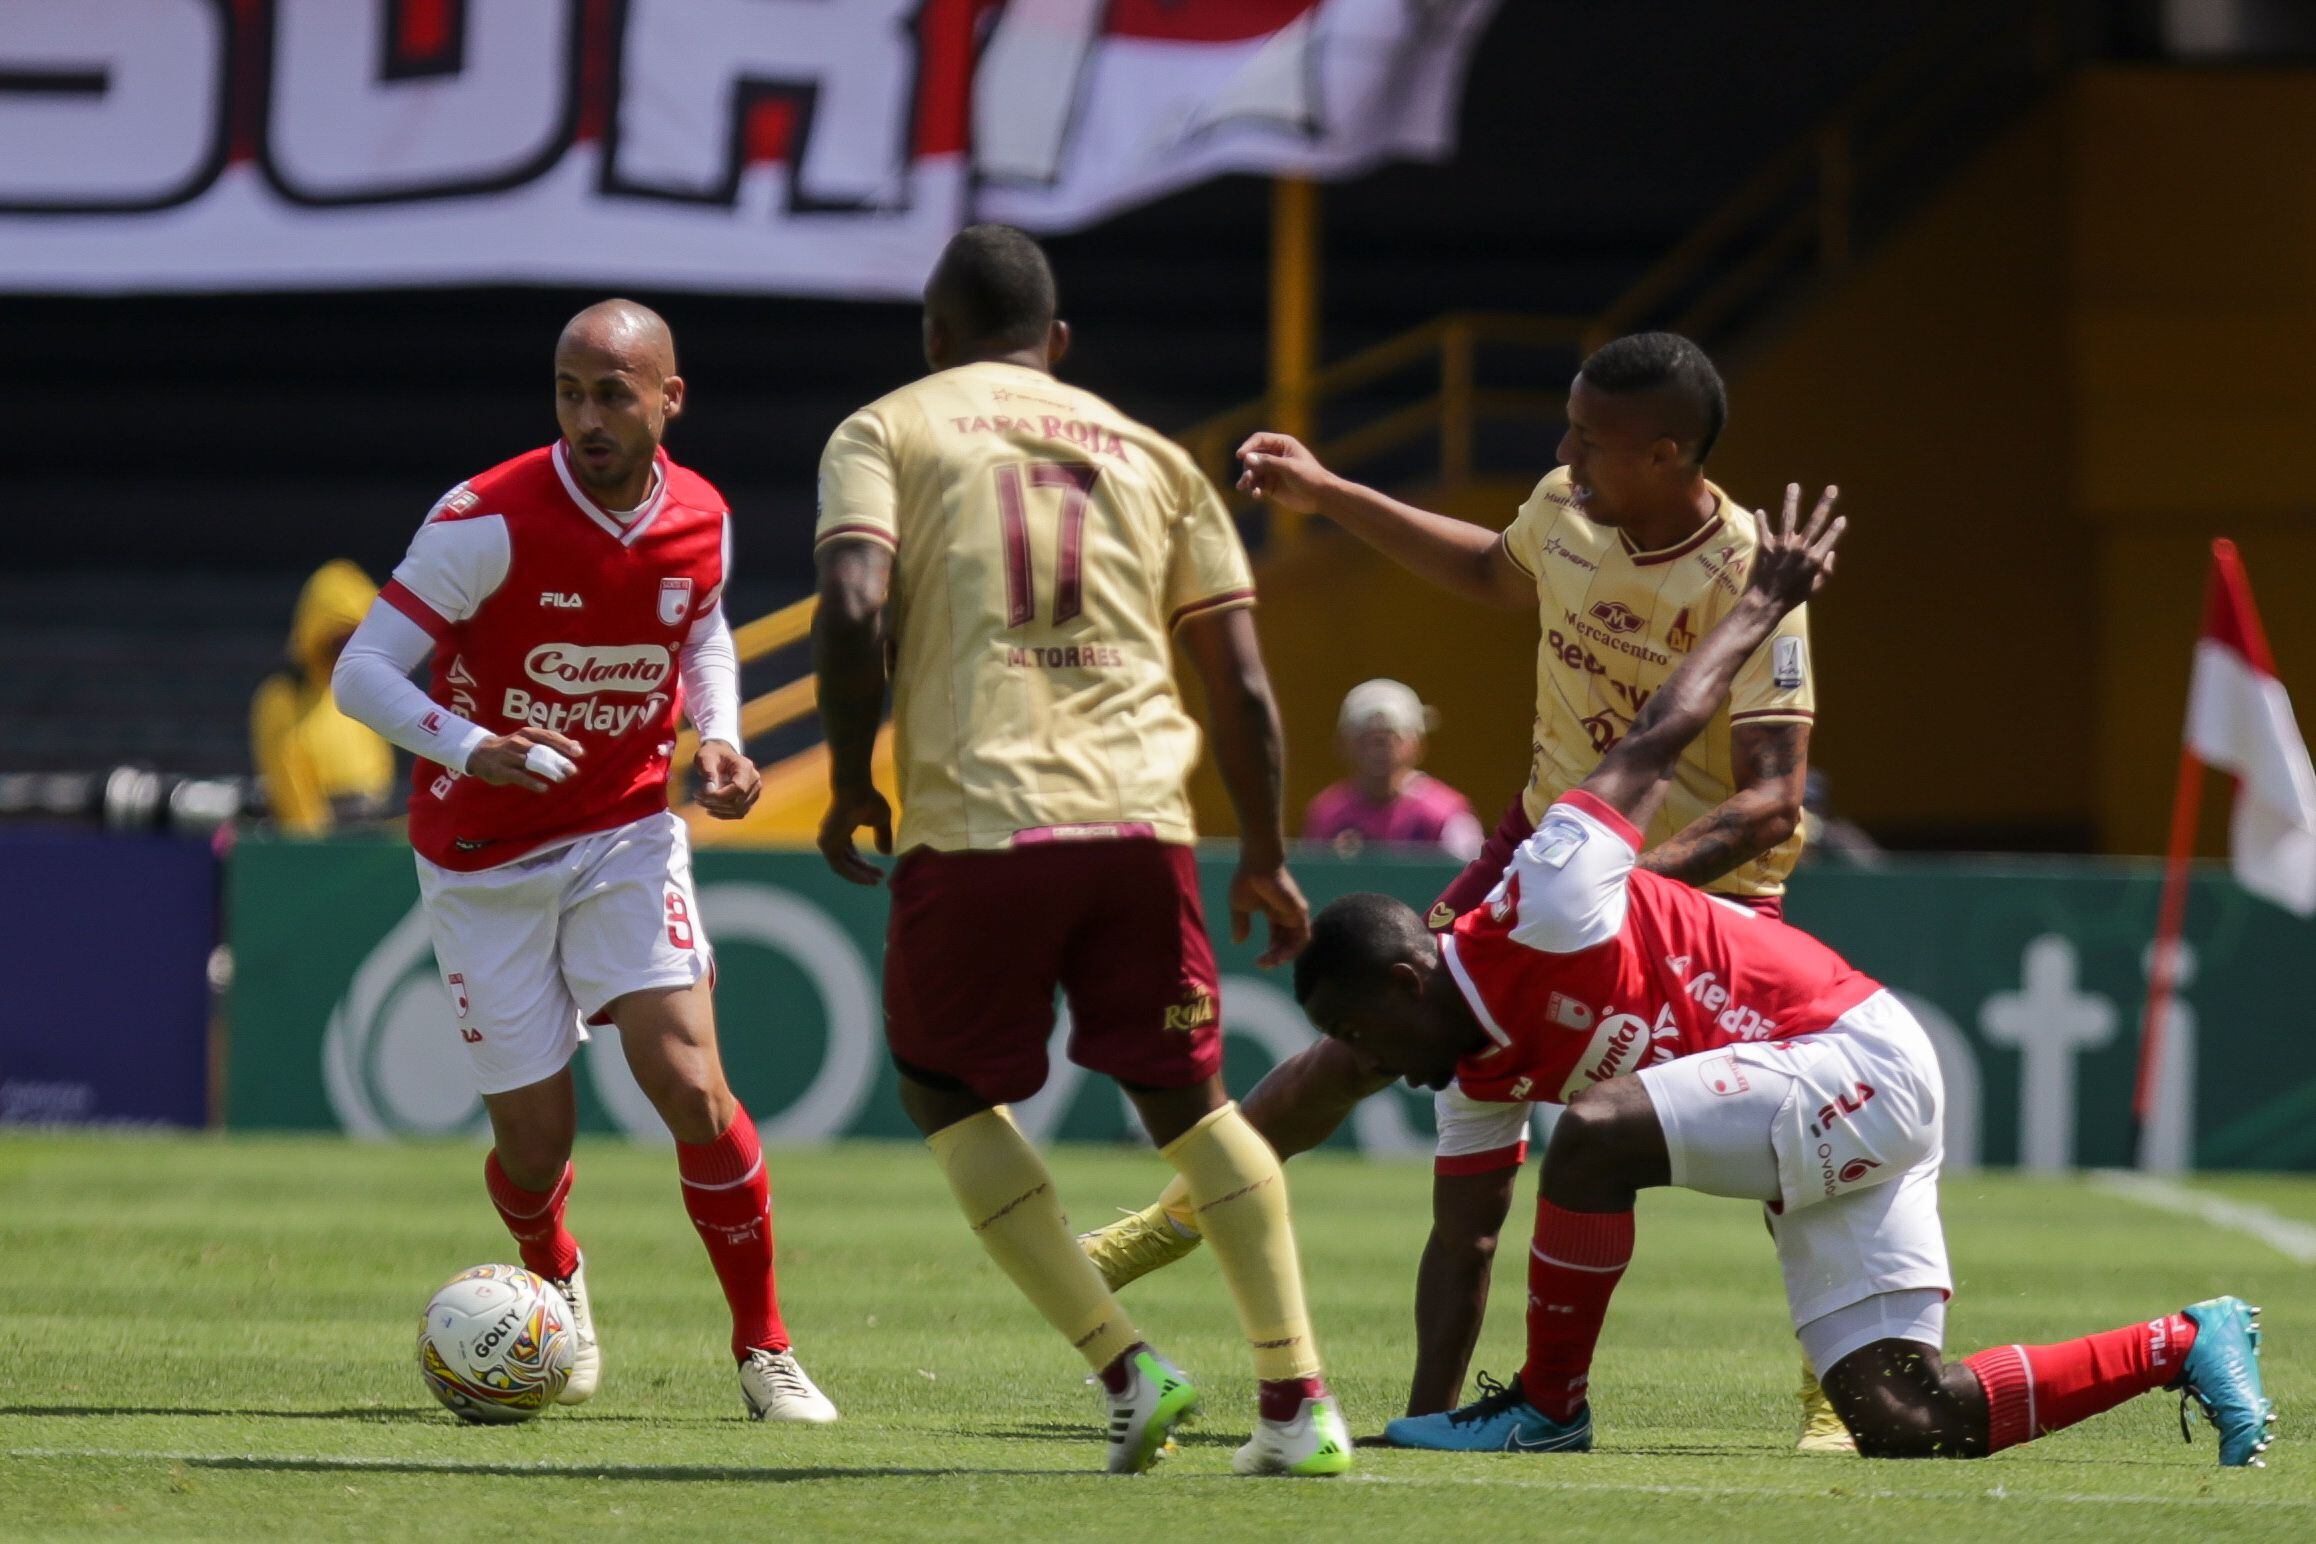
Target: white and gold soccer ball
<point>496,1344</point>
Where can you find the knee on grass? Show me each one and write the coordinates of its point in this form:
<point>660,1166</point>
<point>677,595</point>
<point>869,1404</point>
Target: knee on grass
<point>1901,1402</point>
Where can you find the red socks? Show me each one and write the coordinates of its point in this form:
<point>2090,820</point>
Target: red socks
<point>535,1218</point>
<point>1280,1399</point>
<point>729,1197</point>
<point>2035,1390</point>
<point>1573,1268</point>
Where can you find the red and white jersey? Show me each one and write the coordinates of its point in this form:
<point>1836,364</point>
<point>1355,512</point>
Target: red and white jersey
<point>1582,968</point>
<point>547,610</point>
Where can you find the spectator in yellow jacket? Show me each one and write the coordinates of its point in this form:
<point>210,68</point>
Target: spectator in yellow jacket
<point>321,769</point>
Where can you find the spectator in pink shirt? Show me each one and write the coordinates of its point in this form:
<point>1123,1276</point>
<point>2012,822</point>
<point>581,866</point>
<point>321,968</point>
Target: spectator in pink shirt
<point>1386,802</point>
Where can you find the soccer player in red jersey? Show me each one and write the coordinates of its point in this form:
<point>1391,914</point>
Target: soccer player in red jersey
<point>571,604</point>
<point>1697,1043</point>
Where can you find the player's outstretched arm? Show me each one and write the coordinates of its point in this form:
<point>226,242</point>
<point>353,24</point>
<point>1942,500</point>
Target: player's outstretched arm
<point>848,662</point>
<point>1454,554</point>
<point>1787,569</point>
<point>1242,722</point>
<point>1772,765</point>
<point>1451,1284</point>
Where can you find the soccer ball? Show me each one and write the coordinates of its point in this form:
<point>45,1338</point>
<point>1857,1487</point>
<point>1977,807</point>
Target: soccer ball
<point>496,1344</point>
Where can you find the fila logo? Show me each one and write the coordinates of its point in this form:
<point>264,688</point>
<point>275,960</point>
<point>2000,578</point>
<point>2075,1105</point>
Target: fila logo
<point>1520,1089</point>
<point>432,724</point>
<point>561,600</point>
<point>1844,1105</point>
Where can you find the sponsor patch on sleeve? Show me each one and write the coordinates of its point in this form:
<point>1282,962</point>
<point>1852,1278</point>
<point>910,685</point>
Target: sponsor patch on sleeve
<point>1785,664</point>
<point>1556,843</point>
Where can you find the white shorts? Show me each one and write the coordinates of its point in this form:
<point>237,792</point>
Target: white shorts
<point>533,950</point>
<point>1839,1133</point>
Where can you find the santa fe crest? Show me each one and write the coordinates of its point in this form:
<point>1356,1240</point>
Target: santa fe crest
<point>675,600</point>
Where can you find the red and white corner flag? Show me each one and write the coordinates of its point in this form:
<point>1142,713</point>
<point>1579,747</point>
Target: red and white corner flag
<point>2240,721</point>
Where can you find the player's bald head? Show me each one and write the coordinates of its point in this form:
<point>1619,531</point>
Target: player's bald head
<point>991,293</point>
<point>1672,378</point>
<point>616,390</point>
<point>634,335</point>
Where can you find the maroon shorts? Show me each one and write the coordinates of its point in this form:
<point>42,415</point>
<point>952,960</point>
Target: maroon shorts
<point>978,941</point>
<point>1471,887</point>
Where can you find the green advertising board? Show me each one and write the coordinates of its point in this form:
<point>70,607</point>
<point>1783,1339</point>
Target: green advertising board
<point>2028,975</point>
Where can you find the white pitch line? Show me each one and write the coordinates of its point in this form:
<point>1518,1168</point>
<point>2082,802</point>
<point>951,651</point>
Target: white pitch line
<point>585,1471</point>
<point>2294,1240</point>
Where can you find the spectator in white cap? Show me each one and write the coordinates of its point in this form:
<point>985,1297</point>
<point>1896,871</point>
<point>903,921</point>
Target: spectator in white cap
<point>1386,802</point>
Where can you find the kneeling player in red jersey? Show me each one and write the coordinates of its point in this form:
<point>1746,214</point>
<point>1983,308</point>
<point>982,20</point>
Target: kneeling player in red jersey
<point>571,601</point>
<point>1698,1044</point>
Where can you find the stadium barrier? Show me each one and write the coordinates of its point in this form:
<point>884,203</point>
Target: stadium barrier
<point>108,940</point>
<point>2028,974</point>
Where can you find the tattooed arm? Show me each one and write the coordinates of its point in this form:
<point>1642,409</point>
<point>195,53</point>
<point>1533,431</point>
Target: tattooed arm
<point>1772,762</point>
<point>1788,566</point>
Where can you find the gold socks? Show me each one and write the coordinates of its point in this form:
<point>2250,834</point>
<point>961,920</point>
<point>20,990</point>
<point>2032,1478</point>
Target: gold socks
<point>1233,1180</point>
<point>1006,1193</point>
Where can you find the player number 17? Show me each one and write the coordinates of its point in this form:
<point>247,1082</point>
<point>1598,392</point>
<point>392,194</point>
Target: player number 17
<point>1076,480</point>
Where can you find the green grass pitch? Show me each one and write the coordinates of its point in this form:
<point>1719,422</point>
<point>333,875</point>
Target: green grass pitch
<point>212,1338</point>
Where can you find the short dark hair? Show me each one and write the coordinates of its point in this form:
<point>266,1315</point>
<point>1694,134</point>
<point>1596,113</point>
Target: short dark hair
<point>1357,938</point>
<point>994,285</point>
<point>1669,363</point>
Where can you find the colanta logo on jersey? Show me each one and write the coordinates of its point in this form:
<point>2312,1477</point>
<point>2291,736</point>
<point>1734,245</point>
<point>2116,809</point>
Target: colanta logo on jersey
<point>1622,1043</point>
<point>583,669</point>
<point>584,673</point>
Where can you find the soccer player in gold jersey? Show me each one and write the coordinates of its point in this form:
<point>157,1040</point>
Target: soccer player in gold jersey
<point>1630,554</point>
<point>1029,554</point>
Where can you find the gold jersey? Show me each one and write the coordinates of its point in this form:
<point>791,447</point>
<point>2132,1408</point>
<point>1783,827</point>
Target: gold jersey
<point>1614,623</point>
<point>1044,547</point>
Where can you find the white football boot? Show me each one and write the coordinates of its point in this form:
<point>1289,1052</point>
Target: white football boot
<point>587,1364</point>
<point>1159,1399</point>
<point>775,1387</point>
<point>1315,1444</point>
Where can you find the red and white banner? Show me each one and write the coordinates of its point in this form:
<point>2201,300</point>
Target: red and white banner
<point>798,146</point>
<point>2240,721</point>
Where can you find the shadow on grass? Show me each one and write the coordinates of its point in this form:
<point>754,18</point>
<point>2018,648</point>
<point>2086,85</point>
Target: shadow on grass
<point>1089,1433</point>
<point>585,1471</point>
<point>375,1414</point>
<point>352,1413</point>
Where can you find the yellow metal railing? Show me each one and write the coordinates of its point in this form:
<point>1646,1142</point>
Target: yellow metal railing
<point>1442,355</point>
<point>780,706</point>
<point>1798,211</point>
